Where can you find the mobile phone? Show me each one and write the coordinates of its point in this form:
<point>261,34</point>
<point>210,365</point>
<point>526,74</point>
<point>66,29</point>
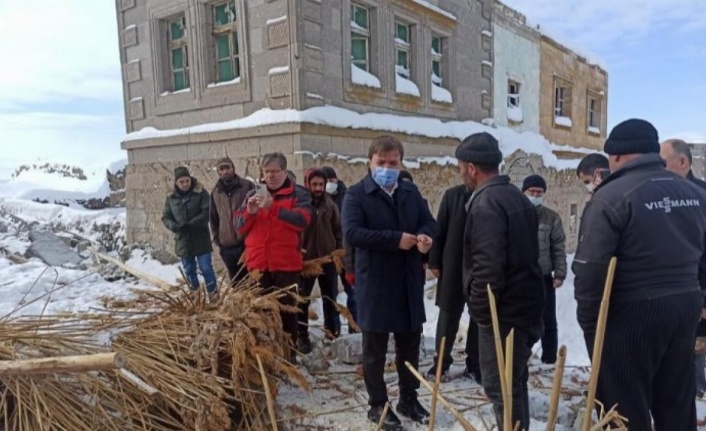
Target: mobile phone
<point>260,190</point>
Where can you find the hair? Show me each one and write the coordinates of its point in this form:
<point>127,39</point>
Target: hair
<point>329,172</point>
<point>590,163</point>
<point>274,158</point>
<point>682,148</point>
<point>385,144</point>
<point>315,173</point>
<point>405,175</point>
<point>488,169</point>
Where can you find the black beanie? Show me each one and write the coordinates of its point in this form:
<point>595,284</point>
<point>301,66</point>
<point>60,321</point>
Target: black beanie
<point>481,149</point>
<point>632,137</point>
<point>181,171</point>
<point>534,181</point>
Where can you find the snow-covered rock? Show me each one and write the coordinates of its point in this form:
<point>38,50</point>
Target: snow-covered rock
<point>51,249</point>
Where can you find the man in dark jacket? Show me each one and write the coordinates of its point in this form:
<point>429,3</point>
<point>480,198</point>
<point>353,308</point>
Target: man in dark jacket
<point>390,226</point>
<point>592,170</point>
<point>336,188</point>
<point>678,158</point>
<point>186,214</point>
<point>272,220</point>
<point>227,197</point>
<point>321,239</point>
<point>501,251</point>
<point>655,223</point>
<point>446,263</point>
<point>552,260</point>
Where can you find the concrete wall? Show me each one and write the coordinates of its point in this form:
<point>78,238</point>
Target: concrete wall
<point>516,57</point>
<point>558,63</point>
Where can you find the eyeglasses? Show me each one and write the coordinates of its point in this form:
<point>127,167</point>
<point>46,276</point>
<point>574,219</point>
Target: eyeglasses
<point>273,172</point>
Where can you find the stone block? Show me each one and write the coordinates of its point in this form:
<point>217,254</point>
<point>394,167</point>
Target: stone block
<point>51,249</point>
<point>126,4</point>
<point>130,36</point>
<point>345,146</point>
<point>278,34</point>
<point>243,148</point>
<point>205,151</point>
<point>316,143</point>
<point>137,219</point>
<point>136,109</point>
<point>283,144</point>
<point>133,71</point>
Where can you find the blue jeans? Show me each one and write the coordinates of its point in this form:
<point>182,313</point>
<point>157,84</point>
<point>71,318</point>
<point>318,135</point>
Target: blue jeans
<point>206,267</point>
<point>700,374</point>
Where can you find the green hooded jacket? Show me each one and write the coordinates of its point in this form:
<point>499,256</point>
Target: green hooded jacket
<point>187,217</point>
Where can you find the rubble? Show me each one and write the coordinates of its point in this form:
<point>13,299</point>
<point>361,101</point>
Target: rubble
<point>51,249</point>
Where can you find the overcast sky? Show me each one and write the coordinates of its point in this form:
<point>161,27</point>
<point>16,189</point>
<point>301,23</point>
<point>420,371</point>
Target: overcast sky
<point>60,89</point>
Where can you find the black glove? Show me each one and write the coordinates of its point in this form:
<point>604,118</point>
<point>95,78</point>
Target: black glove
<point>181,227</point>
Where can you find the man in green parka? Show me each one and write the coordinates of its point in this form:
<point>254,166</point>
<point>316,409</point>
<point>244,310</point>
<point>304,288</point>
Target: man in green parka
<point>186,214</point>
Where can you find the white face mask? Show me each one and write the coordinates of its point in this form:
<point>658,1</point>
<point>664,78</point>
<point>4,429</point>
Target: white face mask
<point>331,188</point>
<point>536,200</point>
<point>590,187</point>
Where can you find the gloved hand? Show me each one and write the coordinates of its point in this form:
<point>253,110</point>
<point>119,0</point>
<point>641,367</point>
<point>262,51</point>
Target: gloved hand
<point>350,278</point>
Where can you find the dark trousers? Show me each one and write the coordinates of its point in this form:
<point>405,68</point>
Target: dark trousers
<point>550,339</point>
<point>700,375</point>
<point>350,297</point>
<point>374,351</point>
<point>525,338</point>
<point>231,257</point>
<point>447,326</point>
<point>648,362</point>
<point>272,281</point>
<point>328,283</point>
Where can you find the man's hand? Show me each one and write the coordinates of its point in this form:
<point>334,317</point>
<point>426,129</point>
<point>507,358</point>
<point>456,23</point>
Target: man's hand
<point>265,202</point>
<point>407,241</point>
<point>436,272</point>
<point>558,282</point>
<point>253,206</point>
<point>424,243</point>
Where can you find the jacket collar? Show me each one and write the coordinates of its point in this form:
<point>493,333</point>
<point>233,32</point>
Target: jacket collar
<point>237,182</point>
<point>498,180</point>
<point>370,186</point>
<point>646,162</point>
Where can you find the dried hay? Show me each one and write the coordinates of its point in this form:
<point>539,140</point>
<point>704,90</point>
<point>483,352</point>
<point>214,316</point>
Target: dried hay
<point>191,365</point>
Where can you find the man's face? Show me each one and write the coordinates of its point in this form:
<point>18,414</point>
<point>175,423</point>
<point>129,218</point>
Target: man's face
<point>676,163</point>
<point>535,192</point>
<point>591,181</point>
<point>184,184</point>
<point>317,187</point>
<point>274,175</point>
<point>468,174</point>
<point>226,172</point>
<point>390,160</point>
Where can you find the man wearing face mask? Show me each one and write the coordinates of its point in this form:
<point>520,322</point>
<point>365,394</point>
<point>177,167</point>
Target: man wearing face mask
<point>552,260</point>
<point>390,227</point>
<point>500,250</point>
<point>591,170</point>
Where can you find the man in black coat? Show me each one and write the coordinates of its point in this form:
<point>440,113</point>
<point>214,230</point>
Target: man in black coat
<point>655,223</point>
<point>446,263</point>
<point>501,250</point>
<point>678,158</point>
<point>390,227</point>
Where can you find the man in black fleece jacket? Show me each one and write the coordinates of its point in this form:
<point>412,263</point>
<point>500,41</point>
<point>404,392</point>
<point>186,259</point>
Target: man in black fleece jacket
<point>655,223</point>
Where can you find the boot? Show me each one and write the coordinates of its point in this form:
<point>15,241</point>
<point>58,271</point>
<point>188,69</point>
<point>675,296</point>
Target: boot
<point>304,345</point>
<point>391,422</point>
<point>413,409</point>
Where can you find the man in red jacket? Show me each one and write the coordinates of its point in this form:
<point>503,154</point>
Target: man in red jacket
<point>272,220</point>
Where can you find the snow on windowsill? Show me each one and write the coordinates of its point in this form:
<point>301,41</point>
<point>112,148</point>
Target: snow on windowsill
<point>314,96</point>
<point>182,91</point>
<point>562,121</point>
<point>440,94</point>
<point>276,20</point>
<point>130,27</point>
<point>594,130</point>
<point>435,8</point>
<point>224,83</point>
<point>434,52</point>
<point>401,42</point>
<point>406,86</point>
<point>136,99</point>
<point>278,70</point>
<point>487,63</point>
<point>487,33</point>
<point>356,27</point>
<point>361,77</point>
<point>514,114</point>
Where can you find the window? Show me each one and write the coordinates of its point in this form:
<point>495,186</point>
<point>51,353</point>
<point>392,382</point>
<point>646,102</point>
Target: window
<point>178,54</point>
<point>360,37</point>
<point>559,101</point>
<point>437,57</point>
<point>225,36</point>
<point>594,113</point>
<point>513,94</point>
<point>402,49</point>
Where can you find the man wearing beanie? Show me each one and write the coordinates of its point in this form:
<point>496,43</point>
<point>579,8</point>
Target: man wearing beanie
<point>186,214</point>
<point>654,221</point>
<point>501,251</point>
<point>552,260</point>
<point>226,198</point>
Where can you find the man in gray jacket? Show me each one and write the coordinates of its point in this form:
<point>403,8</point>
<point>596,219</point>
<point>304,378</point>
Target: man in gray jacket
<point>552,260</point>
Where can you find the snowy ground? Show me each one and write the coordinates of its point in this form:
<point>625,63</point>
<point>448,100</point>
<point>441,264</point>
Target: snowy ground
<point>338,400</point>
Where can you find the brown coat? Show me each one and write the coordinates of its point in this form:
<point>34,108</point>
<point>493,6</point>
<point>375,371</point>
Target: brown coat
<point>224,204</point>
<point>323,235</point>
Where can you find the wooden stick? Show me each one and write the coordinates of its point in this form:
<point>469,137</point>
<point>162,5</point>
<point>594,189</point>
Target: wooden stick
<point>138,382</point>
<point>62,364</point>
<point>556,388</point>
<point>507,426</point>
<point>598,345</point>
<point>459,417</point>
<point>381,422</point>
<point>507,403</point>
<point>139,274</point>
<point>268,394</point>
<point>435,393</point>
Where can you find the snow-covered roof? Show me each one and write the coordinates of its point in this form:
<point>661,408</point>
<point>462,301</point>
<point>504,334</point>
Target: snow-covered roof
<point>510,141</point>
<point>591,57</point>
<point>435,8</point>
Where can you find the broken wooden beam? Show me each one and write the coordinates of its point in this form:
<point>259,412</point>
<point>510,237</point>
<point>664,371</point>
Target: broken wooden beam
<point>62,364</point>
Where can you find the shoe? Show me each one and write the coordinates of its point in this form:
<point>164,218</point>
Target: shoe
<point>473,374</point>
<point>431,374</point>
<point>212,296</point>
<point>413,410</point>
<point>391,421</point>
<point>304,345</point>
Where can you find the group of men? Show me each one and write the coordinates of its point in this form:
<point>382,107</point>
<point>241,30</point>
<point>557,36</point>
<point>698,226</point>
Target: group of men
<point>489,234</point>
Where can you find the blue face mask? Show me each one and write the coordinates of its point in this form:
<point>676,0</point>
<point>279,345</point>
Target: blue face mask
<point>385,177</point>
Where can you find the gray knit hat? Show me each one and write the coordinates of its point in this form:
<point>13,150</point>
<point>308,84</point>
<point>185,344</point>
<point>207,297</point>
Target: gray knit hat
<point>480,148</point>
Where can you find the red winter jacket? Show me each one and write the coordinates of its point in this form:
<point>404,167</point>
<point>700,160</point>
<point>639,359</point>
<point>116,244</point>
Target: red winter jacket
<point>273,236</point>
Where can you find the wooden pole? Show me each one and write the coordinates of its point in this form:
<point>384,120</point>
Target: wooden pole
<point>138,382</point>
<point>139,274</point>
<point>459,417</point>
<point>598,344</point>
<point>556,388</point>
<point>268,394</point>
<point>381,422</point>
<point>62,364</point>
<point>435,393</point>
<point>507,426</point>
<point>507,403</point>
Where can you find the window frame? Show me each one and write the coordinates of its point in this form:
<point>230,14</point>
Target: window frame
<point>180,44</point>
<point>559,101</point>
<point>594,113</point>
<point>363,34</point>
<point>437,57</point>
<point>403,46</point>
<point>513,99</point>
<point>230,29</point>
